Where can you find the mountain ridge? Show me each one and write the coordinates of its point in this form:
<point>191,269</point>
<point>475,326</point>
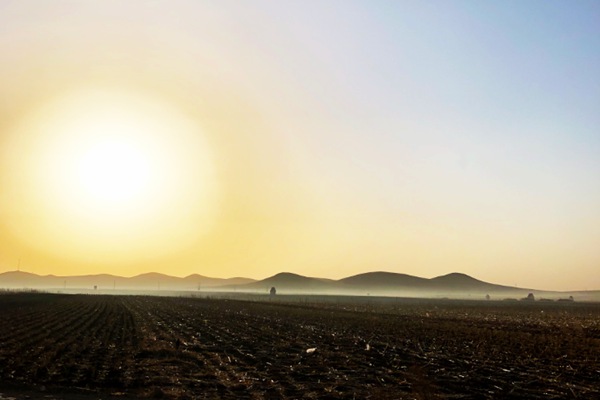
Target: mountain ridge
<point>369,283</point>
<point>383,283</point>
<point>147,280</point>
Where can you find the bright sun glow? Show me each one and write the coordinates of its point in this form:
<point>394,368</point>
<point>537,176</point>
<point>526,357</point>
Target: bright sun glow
<point>113,159</point>
<point>113,172</point>
<point>113,175</point>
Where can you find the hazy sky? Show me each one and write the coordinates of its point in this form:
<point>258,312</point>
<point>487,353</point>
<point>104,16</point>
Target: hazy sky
<point>326,138</point>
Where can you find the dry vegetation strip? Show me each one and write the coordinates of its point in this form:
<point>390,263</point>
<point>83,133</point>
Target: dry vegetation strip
<point>202,348</point>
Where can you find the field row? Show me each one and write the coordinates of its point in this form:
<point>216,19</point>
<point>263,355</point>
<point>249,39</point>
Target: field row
<point>133,346</point>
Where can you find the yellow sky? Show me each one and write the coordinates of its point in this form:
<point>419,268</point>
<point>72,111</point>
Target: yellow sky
<point>230,139</point>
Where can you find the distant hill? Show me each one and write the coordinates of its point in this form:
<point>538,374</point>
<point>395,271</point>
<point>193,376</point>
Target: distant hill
<point>382,279</point>
<point>458,281</point>
<point>379,283</point>
<point>450,282</point>
<point>211,282</point>
<point>18,278</point>
<point>147,281</point>
<point>385,284</point>
<point>291,282</point>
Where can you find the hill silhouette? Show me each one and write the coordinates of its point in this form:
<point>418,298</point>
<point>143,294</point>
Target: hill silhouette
<point>460,281</point>
<point>145,281</point>
<point>386,284</point>
<point>383,279</point>
<point>291,282</point>
<point>371,283</point>
<point>380,283</point>
<point>211,282</point>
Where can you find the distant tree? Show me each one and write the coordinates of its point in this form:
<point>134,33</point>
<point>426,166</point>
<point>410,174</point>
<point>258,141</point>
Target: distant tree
<point>569,299</point>
<point>530,297</point>
<point>487,296</point>
<point>273,291</point>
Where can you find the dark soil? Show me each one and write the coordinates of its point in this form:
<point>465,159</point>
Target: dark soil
<point>86,346</point>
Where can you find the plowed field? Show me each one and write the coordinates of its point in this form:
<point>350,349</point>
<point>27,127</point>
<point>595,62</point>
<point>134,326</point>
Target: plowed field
<point>86,346</point>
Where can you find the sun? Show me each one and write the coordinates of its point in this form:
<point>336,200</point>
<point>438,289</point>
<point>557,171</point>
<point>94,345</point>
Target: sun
<point>114,172</point>
<point>111,159</point>
<point>110,174</point>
